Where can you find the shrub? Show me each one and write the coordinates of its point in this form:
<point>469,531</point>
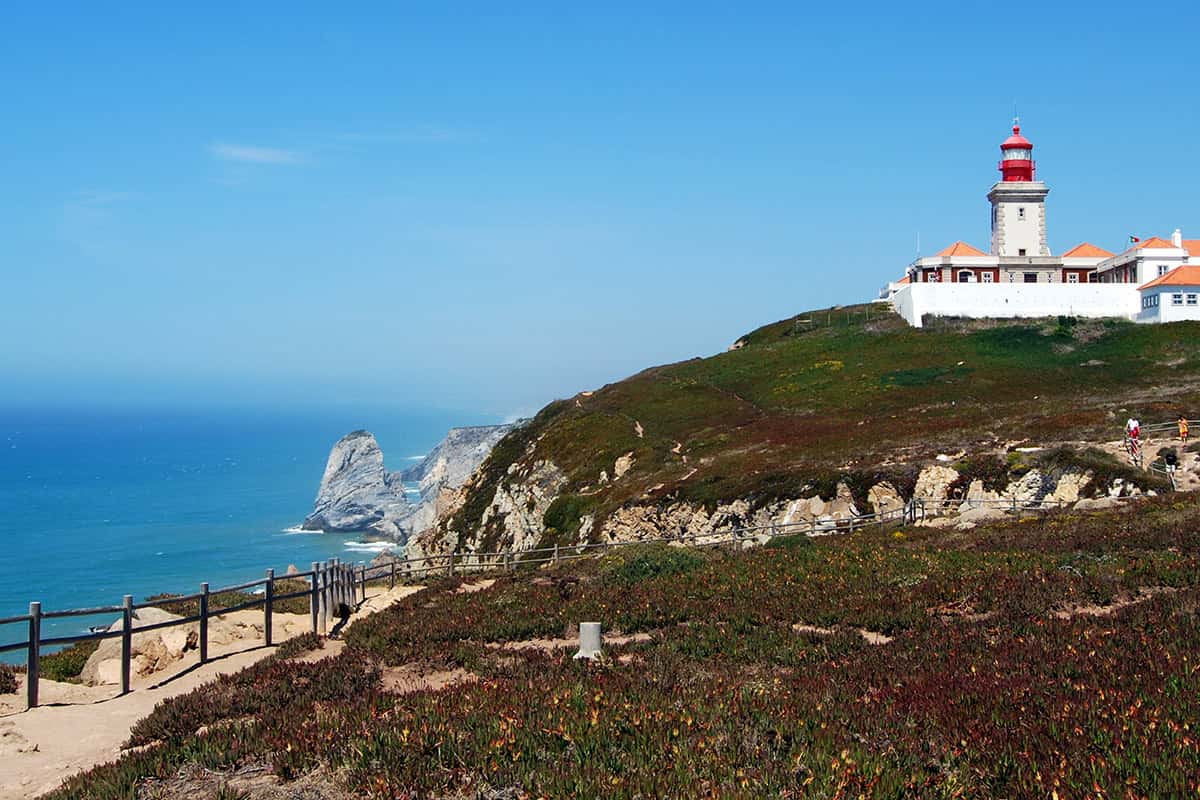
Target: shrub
<point>790,542</point>
<point>8,679</point>
<point>298,645</point>
<point>635,564</point>
<point>563,519</point>
<point>66,664</point>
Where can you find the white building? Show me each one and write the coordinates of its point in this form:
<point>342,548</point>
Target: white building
<point>1020,254</point>
<point>1146,260</point>
<point>1172,297</point>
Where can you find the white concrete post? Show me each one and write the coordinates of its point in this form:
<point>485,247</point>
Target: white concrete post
<point>589,641</point>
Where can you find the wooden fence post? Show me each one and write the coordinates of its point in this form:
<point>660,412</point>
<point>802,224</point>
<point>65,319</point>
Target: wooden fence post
<point>267,606</point>
<point>32,670</point>
<point>314,602</point>
<point>392,581</point>
<point>126,642</point>
<point>323,596</point>
<point>330,589</point>
<point>204,623</point>
<point>362,572</point>
<point>556,552</point>
<point>450,565</point>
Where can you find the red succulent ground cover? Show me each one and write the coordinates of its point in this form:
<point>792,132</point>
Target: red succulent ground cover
<point>984,691</point>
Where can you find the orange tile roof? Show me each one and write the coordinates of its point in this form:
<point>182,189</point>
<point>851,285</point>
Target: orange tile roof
<point>1087,250</point>
<point>962,249</point>
<point>1180,276</point>
<point>905,279</point>
<point>1192,246</point>
<point>1153,242</point>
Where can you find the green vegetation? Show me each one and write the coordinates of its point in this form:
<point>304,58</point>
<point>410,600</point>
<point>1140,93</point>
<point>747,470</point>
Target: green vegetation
<point>67,664</point>
<point>8,679</point>
<point>563,518</point>
<point>221,600</point>
<point>831,395</point>
<point>299,645</point>
<point>1033,656</point>
<point>630,565</point>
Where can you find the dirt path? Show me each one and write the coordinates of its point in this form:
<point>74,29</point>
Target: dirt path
<point>78,727</point>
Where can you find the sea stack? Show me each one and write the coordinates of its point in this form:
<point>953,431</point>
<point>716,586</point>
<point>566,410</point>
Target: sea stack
<point>357,493</point>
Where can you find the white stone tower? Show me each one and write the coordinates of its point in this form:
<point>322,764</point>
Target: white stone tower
<point>1018,201</point>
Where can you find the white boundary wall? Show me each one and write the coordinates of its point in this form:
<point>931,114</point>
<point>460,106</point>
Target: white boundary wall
<point>983,300</point>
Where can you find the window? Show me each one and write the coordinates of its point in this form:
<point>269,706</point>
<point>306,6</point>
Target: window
<point>1072,277</point>
<point>1191,301</point>
<point>1177,299</point>
<point>986,277</point>
<point>966,276</point>
<point>1030,277</point>
<point>1021,215</point>
<point>1162,270</point>
<point>1021,252</point>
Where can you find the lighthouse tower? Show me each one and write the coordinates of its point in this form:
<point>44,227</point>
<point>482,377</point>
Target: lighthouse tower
<point>1018,202</point>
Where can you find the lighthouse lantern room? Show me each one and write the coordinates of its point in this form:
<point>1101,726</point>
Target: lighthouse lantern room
<point>1016,159</point>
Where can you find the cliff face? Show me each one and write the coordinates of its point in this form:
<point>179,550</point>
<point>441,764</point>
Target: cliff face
<point>357,493</point>
<point>446,468</point>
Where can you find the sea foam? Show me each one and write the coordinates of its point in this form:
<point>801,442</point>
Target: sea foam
<point>369,547</point>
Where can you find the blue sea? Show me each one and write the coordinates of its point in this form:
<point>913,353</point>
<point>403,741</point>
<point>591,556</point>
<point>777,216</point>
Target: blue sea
<point>98,504</point>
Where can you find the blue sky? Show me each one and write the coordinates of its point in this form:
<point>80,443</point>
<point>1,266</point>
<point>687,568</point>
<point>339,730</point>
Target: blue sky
<point>463,206</point>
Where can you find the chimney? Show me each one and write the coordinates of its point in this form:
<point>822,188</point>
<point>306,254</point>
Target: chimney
<point>1177,238</point>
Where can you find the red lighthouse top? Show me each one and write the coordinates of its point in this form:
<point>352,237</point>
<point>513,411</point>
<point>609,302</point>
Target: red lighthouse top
<point>1016,159</point>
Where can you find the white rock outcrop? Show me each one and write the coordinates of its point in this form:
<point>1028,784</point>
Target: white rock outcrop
<point>445,469</point>
<point>934,483</point>
<point>357,493</point>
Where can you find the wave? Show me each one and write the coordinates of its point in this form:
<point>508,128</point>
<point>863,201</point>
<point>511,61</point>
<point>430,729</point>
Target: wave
<point>298,529</point>
<point>369,547</point>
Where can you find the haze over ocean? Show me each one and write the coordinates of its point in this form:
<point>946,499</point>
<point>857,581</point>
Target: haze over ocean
<point>98,504</point>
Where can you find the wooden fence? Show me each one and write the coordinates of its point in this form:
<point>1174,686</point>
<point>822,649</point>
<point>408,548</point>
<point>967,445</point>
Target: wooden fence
<point>335,584</point>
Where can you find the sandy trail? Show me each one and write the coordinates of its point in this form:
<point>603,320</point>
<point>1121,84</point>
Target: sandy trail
<point>78,727</point>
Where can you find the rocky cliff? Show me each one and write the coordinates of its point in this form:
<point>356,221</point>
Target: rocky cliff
<point>446,468</point>
<point>357,494</point>
<point>530,509</point>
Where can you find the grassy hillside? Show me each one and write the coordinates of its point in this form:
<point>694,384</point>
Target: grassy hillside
<point>829,392</point>
<point>1030,658</point>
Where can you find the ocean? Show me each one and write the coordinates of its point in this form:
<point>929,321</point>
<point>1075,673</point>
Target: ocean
<point>98,504</point>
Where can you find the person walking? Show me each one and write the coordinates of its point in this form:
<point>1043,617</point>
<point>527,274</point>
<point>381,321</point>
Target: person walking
<point>1183,429</point>
<point>1133,442</point>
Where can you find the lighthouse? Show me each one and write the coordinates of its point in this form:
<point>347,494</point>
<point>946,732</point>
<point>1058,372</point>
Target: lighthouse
<point>1018,202</point>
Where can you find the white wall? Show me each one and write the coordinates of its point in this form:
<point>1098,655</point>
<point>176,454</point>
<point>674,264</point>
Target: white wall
<point>1022,234</point>
<point>1165,311</point>
<point>982,300</point>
